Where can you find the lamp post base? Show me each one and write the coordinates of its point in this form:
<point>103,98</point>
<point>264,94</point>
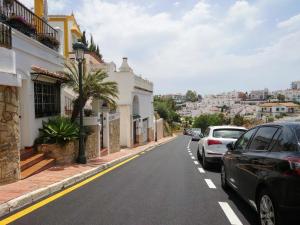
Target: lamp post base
<point>81,160</point>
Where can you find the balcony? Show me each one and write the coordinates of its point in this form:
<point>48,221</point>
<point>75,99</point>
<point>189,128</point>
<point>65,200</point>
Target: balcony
<point>5,36</point>
<point>16,15</point>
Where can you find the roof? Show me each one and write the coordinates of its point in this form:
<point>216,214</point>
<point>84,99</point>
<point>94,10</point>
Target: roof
<point>42,71</point>
<point>273,104</point>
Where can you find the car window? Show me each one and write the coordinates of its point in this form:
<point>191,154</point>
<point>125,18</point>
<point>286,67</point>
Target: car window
<point>206,133</point>
<point>242,143</point>
<point>263,138</point>
<point>228,133</point>
<point>284,140</point>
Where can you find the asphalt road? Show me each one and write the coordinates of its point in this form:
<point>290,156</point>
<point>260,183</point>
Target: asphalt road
<point>163,186</point>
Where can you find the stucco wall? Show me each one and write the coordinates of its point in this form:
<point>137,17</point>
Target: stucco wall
<point>9,135</point>
<point>160,128</point>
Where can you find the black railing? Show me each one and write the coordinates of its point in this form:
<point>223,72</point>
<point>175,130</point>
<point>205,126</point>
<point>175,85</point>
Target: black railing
<point>21,18</point>
<point>5,36</point>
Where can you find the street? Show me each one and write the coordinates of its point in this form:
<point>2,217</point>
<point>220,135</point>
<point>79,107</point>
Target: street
<point>166,185</point>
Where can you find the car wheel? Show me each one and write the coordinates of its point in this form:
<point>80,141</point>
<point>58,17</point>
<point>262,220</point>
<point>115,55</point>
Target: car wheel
<point>267,210</point>
<point>198,154</point>
<point>223,177</point>
<point>204,162</point>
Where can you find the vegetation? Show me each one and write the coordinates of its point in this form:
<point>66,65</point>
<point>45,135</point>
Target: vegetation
<point>91,47</point>
<point>238,120</point>
<point>58,130</point>
<point>94,86</point>
<point>191,96</point>
<point>166,109</point>
<point>281,97</point>
<point>206,120</point>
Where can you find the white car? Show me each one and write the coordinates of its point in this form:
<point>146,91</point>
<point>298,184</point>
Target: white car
<point>213,145</point>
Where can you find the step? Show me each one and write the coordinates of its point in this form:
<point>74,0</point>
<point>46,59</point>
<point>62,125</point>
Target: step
<point>25,164</point>
<point>104,152</point>
<point>37,168</point>
<point>26,153</point>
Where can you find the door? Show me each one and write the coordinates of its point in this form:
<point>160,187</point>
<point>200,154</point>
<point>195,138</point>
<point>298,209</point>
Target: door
<point>102,133</point>
<point>145,130</point>
<point>252,163</point>
<point>233,157</point>
<point>135,141</point>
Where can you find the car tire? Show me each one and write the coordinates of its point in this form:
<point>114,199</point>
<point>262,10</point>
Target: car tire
<point>268,209</point>
<point>199,155</point>
<point>224,178</point>
<point>204,161</point>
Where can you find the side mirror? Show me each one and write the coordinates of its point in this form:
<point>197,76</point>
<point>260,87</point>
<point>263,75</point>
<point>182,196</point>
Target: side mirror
<point>230,146</point>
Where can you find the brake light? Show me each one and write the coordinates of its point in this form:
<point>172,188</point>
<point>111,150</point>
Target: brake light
<point>294,165</point>
<point>213,142</point>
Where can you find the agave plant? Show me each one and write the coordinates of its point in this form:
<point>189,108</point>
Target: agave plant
<point>59,130</point>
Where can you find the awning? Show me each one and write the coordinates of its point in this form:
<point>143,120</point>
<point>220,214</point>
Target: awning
<point>38,71</point>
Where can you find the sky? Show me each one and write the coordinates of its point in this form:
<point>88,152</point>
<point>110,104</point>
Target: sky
<point>209,46</point>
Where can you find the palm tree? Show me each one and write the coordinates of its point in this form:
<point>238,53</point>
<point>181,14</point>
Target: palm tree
<point>94,87</point>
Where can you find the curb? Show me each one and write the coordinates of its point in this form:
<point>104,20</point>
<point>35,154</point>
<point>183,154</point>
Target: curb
<point>32,197</point>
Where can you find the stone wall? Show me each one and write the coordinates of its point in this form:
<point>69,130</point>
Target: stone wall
<point>114,136</point>
<point>9,135</point>
<point>63,154</point>
<point>92,148</point>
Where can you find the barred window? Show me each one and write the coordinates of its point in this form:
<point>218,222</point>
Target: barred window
<point>46,99</point>
<point>68,106</point>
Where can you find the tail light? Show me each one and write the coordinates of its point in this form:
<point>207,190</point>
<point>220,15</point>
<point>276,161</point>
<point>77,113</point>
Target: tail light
<point>294,165</point>
<point>213,142</point>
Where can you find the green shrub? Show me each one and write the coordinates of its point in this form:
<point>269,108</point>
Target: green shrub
<point>58,130</point>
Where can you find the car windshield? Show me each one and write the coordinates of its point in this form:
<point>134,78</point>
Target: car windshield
<point>228,133</point>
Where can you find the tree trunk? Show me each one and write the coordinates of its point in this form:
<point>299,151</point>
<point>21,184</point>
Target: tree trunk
<point>77,108</point>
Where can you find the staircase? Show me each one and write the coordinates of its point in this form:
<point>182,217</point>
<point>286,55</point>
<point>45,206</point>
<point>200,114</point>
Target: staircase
<point>33,163</point>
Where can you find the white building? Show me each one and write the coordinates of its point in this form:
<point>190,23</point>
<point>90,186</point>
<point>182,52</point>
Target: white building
<point>295,85</point>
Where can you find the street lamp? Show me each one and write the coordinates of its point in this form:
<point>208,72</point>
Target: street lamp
<point>79,49</point>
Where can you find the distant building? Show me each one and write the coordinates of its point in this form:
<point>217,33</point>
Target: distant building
<point>277,108</point>
<point>259,94</point>
<point>295,85</point>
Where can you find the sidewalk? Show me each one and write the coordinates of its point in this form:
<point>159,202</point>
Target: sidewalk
<point>19,194</point>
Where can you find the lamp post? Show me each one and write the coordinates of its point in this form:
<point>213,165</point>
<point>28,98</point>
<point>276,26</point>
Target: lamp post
<point>155,112</point>
<point>79,55</point>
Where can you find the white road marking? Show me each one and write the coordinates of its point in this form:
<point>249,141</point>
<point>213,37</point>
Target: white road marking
<point>232,217</point>
<point>190,153</point>
<point>192,157</point>
<point>196,162</point>
<point>201,170</point>
<point>210,183</point>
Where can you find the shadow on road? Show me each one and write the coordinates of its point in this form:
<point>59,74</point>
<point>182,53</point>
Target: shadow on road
<point>249,213</point>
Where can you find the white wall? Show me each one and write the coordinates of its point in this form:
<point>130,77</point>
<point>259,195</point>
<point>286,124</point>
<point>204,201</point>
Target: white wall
<point>28,53</point>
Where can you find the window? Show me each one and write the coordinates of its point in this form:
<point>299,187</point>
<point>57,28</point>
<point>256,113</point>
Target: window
<point>68,106</point>
<point>277,109</point>
<point>228,133</point>
<point>46,99</point>
<point>242,143</point>
<point>285,140</point>
<point>263,138</point>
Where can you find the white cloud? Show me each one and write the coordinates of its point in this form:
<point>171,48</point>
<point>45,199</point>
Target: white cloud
<point>176,4</point>
<point>291,23</point>
<point>197,49</point>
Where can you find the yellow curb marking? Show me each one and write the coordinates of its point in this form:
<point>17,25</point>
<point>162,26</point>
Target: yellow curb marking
<point>142,153</point>
<point>40,204</point>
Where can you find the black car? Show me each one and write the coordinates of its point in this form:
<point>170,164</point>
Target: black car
<point>263,166</point>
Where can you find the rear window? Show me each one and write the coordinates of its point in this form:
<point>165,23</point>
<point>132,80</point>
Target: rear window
<point>228,133</point>
<point>297,131</point>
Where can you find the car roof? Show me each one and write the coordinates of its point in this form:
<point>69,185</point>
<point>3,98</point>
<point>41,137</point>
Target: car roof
<point>227,127</point>
<point>282,124</point>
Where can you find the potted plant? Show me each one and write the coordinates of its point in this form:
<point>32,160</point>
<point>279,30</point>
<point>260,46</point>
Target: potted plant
<point>49,41</point>
<point>21,24</point>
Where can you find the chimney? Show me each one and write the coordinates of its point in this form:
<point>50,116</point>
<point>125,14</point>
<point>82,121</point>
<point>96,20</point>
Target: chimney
<point>125,67</point>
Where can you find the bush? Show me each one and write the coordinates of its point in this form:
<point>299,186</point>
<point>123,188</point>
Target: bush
<point>58,130</point>
<point>206,120</point>
<point>238,120</point>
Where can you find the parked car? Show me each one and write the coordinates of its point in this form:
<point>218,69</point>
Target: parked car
<point>263,166</point>
<point>186,131</point>
<point>196,135</point>
<point>213,145</point>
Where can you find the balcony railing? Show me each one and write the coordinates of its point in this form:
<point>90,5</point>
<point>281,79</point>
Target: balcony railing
<point>16,15</point>
<point>5,36</point>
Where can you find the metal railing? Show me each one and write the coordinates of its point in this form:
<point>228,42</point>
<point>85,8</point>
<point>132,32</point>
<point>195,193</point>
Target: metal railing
<point>5,36</point>
<point>18,16</point>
